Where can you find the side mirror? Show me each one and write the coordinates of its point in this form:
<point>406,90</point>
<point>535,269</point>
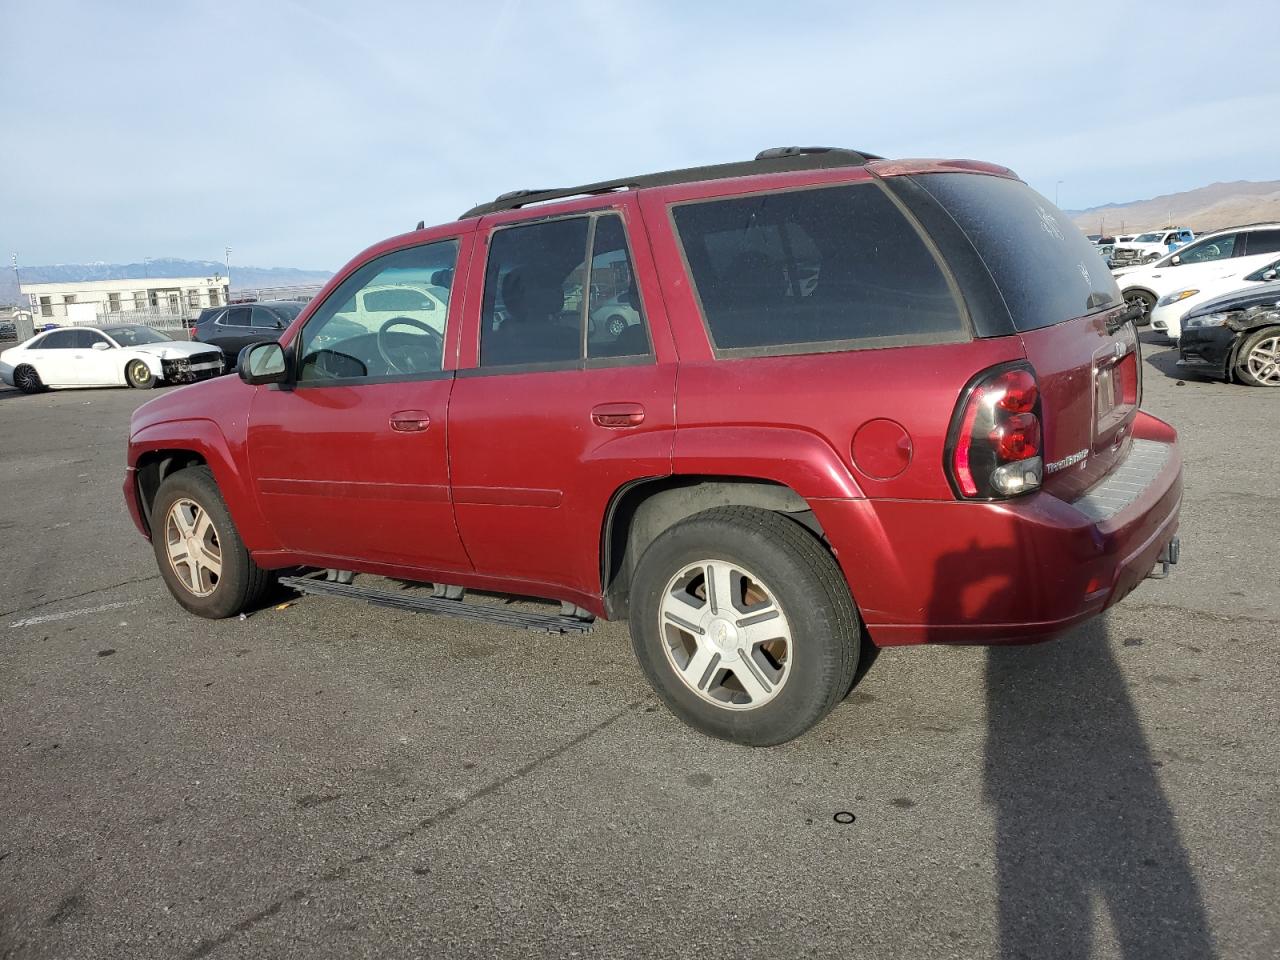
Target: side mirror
<point>101,345</point>
<point>1269,275</point>
<point>279,325</point>
<point>260,363</point>
<point>1175,260</point>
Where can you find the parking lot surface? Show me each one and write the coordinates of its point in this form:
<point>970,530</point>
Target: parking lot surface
<point>339,780</point>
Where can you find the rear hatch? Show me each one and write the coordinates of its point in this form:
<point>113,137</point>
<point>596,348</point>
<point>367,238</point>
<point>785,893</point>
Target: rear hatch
<point>1065,307</point>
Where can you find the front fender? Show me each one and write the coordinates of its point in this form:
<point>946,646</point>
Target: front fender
<point>205,438</point>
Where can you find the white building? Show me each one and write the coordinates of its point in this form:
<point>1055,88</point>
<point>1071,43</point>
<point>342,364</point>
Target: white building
<point>70,302</point>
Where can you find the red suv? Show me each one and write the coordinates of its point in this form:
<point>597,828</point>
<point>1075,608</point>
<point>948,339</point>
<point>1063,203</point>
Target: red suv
<point>758,409</point>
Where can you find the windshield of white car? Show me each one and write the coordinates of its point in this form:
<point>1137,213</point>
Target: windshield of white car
<point>1148,238</point>
<point>135,336</point>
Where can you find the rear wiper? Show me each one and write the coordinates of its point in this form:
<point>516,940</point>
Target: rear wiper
<point>1130,314</point>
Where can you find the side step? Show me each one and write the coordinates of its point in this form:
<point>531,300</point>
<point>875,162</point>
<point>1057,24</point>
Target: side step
<point>448,608</point>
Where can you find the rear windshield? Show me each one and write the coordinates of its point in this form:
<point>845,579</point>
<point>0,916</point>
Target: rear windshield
<point>1045,269</point>
<point>809,270</point>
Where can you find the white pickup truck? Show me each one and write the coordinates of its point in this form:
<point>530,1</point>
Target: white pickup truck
<point>1148,247</point>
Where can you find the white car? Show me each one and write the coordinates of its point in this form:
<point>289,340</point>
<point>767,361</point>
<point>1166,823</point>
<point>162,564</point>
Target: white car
<point>1171,308</point>
<point>109,356</point>
<point>1146,247</point>
<point>1237,250</point>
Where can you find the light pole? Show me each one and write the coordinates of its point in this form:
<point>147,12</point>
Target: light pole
<point>16,278</point>
<point>146,267</point>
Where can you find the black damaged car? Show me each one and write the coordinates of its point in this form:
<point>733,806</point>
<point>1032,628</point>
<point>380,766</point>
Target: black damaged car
<point>1234,338</point>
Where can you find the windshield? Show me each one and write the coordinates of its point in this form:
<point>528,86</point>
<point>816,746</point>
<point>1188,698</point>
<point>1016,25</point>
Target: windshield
<point>1148,238</point>
<point>135,336</point>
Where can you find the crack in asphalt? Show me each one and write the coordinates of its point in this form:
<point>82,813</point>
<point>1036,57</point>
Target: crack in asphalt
<point>206,947</point>
<point>77,596</point>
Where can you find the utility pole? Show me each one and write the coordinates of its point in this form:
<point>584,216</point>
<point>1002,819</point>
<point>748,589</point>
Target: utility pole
<point>1055,191</point>
<point>146,267</point>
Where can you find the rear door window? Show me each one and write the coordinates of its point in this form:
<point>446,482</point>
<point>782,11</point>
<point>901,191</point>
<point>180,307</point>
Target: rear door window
<point>802,271</point>
<point>1261,241</point>
<point>58,340</point>
<point>1042,264</point>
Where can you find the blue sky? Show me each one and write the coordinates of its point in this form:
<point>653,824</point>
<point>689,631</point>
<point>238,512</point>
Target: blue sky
<point>299,133</point>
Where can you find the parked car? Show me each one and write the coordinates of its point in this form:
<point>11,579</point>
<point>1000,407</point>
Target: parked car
<point>1219,253</point>
<point>871,396</point>
<point>1149,247</point>
<point>117,355</point>
<point>1172,307</point>
<point>1235,338</point>
<point>234,327</point>
<point>614,316</point>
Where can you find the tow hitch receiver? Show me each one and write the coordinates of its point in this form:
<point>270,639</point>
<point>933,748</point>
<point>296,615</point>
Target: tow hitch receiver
<point>1168,557</point>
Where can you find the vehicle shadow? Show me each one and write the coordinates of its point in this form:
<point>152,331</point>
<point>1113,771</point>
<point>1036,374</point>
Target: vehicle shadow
<point>1162,356</point>
<point>1082,825</point>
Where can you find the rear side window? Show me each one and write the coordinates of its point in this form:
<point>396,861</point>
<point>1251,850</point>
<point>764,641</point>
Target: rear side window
<point>1042,264</point>
<point>548,304</point>
<point>803,271</point>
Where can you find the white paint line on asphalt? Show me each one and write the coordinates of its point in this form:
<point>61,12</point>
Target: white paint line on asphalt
<point>69,614</point>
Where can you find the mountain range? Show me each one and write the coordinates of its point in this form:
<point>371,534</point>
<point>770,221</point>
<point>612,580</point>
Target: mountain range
<point>242,278</point>
<point>1202,209</point>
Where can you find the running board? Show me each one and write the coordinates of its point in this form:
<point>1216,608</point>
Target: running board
<point>448,608</point>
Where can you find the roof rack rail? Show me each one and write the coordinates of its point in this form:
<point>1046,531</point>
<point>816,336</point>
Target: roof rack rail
<point>773,160</point>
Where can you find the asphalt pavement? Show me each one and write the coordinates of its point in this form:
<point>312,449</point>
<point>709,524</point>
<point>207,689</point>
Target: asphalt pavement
<point>329,779</point>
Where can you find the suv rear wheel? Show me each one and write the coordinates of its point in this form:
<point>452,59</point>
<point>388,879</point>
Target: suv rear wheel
<point>744,625</point>
<point>202,559</point>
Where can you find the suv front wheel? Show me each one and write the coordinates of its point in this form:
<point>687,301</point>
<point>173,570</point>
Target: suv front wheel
<point>744,626</point>
<point>201,557</point>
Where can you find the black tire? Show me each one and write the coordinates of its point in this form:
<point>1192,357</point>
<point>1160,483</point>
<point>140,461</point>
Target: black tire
<point>241,582</point>
<point>1148,302</point>
<point>26,379</point>
<point>806,583</point>
<point>1250,343</point>
<point>139,375</point>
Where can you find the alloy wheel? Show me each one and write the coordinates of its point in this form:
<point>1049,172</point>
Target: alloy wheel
<point>195,554</point>
<point>1263,362</point>
<point>725,635</point>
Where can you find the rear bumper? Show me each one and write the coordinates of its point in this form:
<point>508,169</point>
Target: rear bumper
<point>988,573</point>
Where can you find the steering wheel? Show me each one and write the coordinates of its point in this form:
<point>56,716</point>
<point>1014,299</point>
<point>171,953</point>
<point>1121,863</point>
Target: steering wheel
<point>408,360</point>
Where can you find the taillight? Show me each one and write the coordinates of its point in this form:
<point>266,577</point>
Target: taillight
<point>993,449</point>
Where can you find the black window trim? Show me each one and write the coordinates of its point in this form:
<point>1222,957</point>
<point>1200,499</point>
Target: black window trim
<point>962,335</point>
<point>582,362</point>
<point>295,346</point>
